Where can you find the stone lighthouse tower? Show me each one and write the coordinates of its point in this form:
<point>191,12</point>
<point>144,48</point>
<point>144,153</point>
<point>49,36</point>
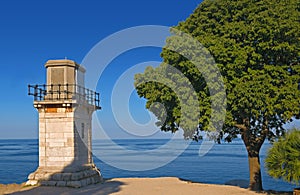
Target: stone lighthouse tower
<point>65,110</point>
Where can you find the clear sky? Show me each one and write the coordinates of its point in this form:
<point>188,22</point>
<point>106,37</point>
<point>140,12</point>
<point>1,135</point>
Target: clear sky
<point>34,31</point>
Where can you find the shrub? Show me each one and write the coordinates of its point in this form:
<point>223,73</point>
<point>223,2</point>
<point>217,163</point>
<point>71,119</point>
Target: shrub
<point>283,158</point>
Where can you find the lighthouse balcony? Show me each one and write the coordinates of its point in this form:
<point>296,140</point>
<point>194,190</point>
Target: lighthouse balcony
<point>65,94</point>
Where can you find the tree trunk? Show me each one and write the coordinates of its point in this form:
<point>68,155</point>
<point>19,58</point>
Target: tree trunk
<point>255,173</point>
<point>253,146</point>
<point>253,143</point>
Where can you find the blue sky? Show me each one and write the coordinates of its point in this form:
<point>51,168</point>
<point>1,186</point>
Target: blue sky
<point>34,31</point>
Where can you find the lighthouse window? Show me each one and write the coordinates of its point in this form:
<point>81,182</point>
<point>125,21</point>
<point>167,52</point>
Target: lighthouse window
<point>82,130</point>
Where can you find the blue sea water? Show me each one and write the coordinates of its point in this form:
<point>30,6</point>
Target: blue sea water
<point>224,162</point>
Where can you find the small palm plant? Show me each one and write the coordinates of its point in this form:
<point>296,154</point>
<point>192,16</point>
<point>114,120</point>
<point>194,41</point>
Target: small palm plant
<point>283,158</point>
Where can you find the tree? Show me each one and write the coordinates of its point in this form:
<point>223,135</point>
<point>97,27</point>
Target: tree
<point>282,160</point>
<point>256,46</point>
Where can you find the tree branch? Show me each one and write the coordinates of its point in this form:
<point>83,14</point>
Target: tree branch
<point>241,127</point>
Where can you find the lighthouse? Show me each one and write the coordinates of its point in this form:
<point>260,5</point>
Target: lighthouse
<point>65,109</point>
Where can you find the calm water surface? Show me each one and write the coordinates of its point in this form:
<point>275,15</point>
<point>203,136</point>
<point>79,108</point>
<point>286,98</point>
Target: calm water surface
<point>222,163</point>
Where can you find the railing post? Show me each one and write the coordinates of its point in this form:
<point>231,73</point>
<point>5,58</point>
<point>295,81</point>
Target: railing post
<point>58,97</point>
<point>40,95</point>
<point>29,90</point>
<point>95,99</point>
<point>89,96</point>
<point>35,93</point>
<point>51,91</point>
<point>44,91</point>
<point>67,91</point>
<point>98,99</point>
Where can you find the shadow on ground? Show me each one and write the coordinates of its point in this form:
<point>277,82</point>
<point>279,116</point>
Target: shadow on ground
<point>238,182</point>
<point>105,188</point>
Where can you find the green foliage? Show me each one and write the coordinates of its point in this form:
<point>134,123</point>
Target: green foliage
<point>256,45</point>
<point>283,158</point>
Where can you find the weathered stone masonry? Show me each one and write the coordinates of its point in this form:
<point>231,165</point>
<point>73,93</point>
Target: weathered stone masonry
<point>65,113</point>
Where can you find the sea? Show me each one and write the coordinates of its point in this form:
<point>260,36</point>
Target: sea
<point>222,163</point>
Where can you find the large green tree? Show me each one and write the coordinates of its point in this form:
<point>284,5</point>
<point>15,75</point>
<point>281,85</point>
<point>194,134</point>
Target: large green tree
<point>256,46</point>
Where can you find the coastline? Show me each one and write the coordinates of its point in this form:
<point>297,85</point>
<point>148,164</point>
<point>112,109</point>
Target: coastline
<point>145,186</point>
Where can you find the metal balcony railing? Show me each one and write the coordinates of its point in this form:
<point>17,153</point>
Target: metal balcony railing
<point>58,92</point>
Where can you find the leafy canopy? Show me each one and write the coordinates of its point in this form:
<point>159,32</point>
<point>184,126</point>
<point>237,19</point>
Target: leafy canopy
<point>256,46</point>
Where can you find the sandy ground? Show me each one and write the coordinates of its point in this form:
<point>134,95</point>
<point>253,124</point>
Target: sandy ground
<point>131,186</point>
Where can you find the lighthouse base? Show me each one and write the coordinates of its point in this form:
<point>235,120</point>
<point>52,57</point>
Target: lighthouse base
<point>75,177</point>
